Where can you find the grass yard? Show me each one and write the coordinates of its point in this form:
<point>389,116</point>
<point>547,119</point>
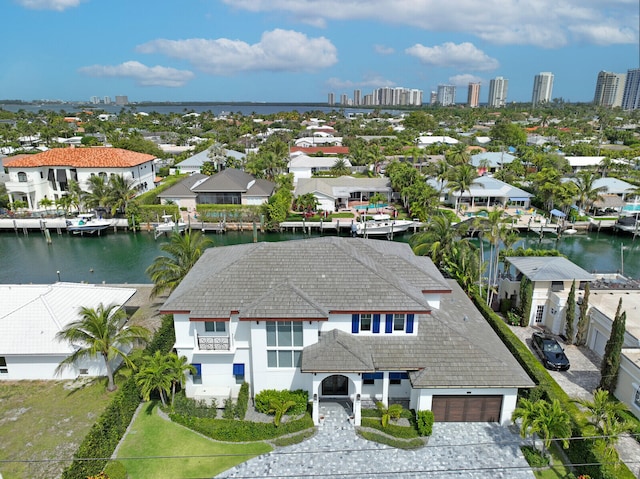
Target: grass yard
<point>556,470</point>
<point>152,436</point>
<point>45,420</point>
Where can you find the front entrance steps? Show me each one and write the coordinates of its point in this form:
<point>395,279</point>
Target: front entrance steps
<point>335,415</point>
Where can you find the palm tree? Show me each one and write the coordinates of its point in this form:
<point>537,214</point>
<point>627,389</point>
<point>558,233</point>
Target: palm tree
<point>166,272</point>
<point>179,367</point>
<point>546,419</point>
<point>437,242</point>
<point>587,194</point>
<point>391,412</point>
<point>46,203</point>
<point>98,194</point>
<point>155,375</point>
<point>101,332</point>
<point>121,193</point>
<point>460,180</point>
<point>458,155</point>
<point>339,168</point>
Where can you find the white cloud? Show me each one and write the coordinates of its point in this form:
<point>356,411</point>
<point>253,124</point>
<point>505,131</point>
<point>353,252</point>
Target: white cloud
<point>142,74</point>
<point>603,34</point>
<point>383,50</point>
<point>544,23</point>
<point>58,5</point>
<point>369,81</point>
<point>450,55</point>
<point>464,80</point>
<point>277,50</point>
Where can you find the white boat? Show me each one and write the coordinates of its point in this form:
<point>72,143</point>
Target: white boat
<point>382,224</point>
<point>168,225</point>
<point>87,223</point>
<point>570,231</point>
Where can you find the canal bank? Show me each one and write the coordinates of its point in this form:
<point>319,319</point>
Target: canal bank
<point>123,257</point>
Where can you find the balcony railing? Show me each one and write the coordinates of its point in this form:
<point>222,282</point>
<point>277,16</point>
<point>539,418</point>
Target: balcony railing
<point>214,343</point>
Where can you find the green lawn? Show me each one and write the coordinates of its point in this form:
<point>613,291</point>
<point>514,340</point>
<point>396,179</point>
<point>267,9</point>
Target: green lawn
<point>45,420</point>
<point>152,436</point>
<point>556,470</point>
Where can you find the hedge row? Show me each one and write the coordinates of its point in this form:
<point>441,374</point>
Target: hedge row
<point>266,397</point>
<point>580,451</point>
<point>232,430</point>
<point>106,433</point>
<point>402,432</point>
<point>389,441</point>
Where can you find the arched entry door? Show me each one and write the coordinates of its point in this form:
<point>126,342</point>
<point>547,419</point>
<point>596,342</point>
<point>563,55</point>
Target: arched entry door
<point>335,386</point>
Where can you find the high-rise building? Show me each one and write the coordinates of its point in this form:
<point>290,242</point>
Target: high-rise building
<point>446,95</point>
<point>498,88</point>
<point>331,99</point>
<point>609,89</point>
<point>344,99</point>
<point>107,100</point>
<point>95,100</point>
<point>122,100</point>
<point>542,88</point>
<point>433,97</point>
<point>631,95</point>
<point>357,97</point>
<point>473,96</point>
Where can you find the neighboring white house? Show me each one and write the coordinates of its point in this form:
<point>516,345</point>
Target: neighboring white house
<point>33,178</point>
<point>341,318</point>
<point>304,166</point>
<point>32,315</point>
<point>485,191</point>
<point>424,141</point>
<point>335,193</point>
<point>194,163</point>
<point>319,138</point>
<point>491,161</point>
<point>552,277</point>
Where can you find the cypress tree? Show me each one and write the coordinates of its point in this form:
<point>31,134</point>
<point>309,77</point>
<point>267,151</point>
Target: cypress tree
<point>583,320</point>
<point>570,313</point>
<point>611,359</point>
<point>526,293</point>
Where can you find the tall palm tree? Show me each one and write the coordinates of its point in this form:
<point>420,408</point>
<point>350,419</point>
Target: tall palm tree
<point>167,272</point>
<point>121,193</point>
<point>437,242</point>
<point>98,194</point>
<point>101,332</point>
<point>179,367</point>
<point>458,155</point>
<point>461,179</point>
<point>155,375</point>
<point>546,419</point>
<point>587,193</point>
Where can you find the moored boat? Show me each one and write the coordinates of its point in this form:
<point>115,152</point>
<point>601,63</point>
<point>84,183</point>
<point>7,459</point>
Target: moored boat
<point>382,224</point>
<point>87,223</point>
<point>168,225</point>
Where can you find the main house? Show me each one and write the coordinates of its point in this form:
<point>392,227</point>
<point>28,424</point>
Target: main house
<point>32,315</point>
<point>33,178</point>
<point>341,318</point>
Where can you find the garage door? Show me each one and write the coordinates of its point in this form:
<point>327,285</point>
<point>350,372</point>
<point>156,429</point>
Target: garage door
<point>467,408</point>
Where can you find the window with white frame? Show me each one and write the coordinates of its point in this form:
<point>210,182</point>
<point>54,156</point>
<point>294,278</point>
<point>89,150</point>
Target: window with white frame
<point>539,313</point>
<point>215,326</point>
<point>365,322</point>
<point>398,322</point>
<point>284,344</point>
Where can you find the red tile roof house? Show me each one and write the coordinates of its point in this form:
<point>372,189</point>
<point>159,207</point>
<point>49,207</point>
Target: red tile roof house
<point>47,175</point>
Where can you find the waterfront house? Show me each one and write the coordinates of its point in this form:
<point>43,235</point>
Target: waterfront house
<point>32,315</point>
<point>490,162</point>
<point>304,166</point>
<point>229,187</point>
<point>343,319</point>
<point>33,178</point>
<point>335,193</point>
<point>485,191</point>
<point>551,278</point>
<point>194,163</point>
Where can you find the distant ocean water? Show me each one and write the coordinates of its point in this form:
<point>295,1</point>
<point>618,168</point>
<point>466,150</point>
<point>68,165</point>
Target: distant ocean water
<point>164,108</point>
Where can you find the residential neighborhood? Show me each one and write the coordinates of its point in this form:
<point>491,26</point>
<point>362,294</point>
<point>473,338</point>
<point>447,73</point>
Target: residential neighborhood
<point>407,311</point>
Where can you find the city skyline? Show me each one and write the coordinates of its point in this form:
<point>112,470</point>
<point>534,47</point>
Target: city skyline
<point>277,50</point>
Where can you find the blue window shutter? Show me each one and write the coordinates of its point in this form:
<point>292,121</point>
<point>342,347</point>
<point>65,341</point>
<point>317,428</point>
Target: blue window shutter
<point>409,323</point>
<point>395,376</point>
<point>388,324</point>
<point>376,323</point>
<point>378,375</point>
<point>198,367</point>
<point>238,369</point>
<point>355,323</point>
<point>367,376</point>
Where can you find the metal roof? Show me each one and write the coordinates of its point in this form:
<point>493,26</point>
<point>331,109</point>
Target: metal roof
<point>549,268</point>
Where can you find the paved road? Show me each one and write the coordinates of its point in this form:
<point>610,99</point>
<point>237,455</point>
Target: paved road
<point>455,450</point>
<point>579,382</point>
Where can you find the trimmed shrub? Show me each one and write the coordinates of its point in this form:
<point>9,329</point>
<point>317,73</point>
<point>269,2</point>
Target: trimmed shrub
<point>397,443</point>
<point>264,399</point>
<point>229,409</point>
<point>243,401</point>
<point>191,407</point>
<point>242,431</point>
<point>424,422</point>
<point>402,432</point>
<point>295,439</point>
<point>534,457</point>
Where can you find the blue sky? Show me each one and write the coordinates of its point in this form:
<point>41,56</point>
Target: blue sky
<point>300,50</point>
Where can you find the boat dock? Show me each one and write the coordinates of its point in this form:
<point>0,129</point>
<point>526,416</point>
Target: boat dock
<point>336,226</point>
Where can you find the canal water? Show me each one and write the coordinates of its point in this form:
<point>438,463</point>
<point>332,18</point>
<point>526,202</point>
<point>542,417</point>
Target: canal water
<point>124,257</point>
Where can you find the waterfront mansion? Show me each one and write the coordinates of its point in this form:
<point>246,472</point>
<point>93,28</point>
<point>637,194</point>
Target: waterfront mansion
<point>33,178</point>
<point>341,318</point>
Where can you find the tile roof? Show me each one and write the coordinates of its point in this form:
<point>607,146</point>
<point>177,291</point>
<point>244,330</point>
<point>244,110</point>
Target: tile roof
<point>549,268</point>
<point>183,188</point>
<point>329,274</point>
<point>232,179</point>
<point>454,348</point>
<point>31,315</point>
<point>93,157</point>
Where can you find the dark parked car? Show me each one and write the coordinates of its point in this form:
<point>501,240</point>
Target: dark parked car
<point>550,351</point>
